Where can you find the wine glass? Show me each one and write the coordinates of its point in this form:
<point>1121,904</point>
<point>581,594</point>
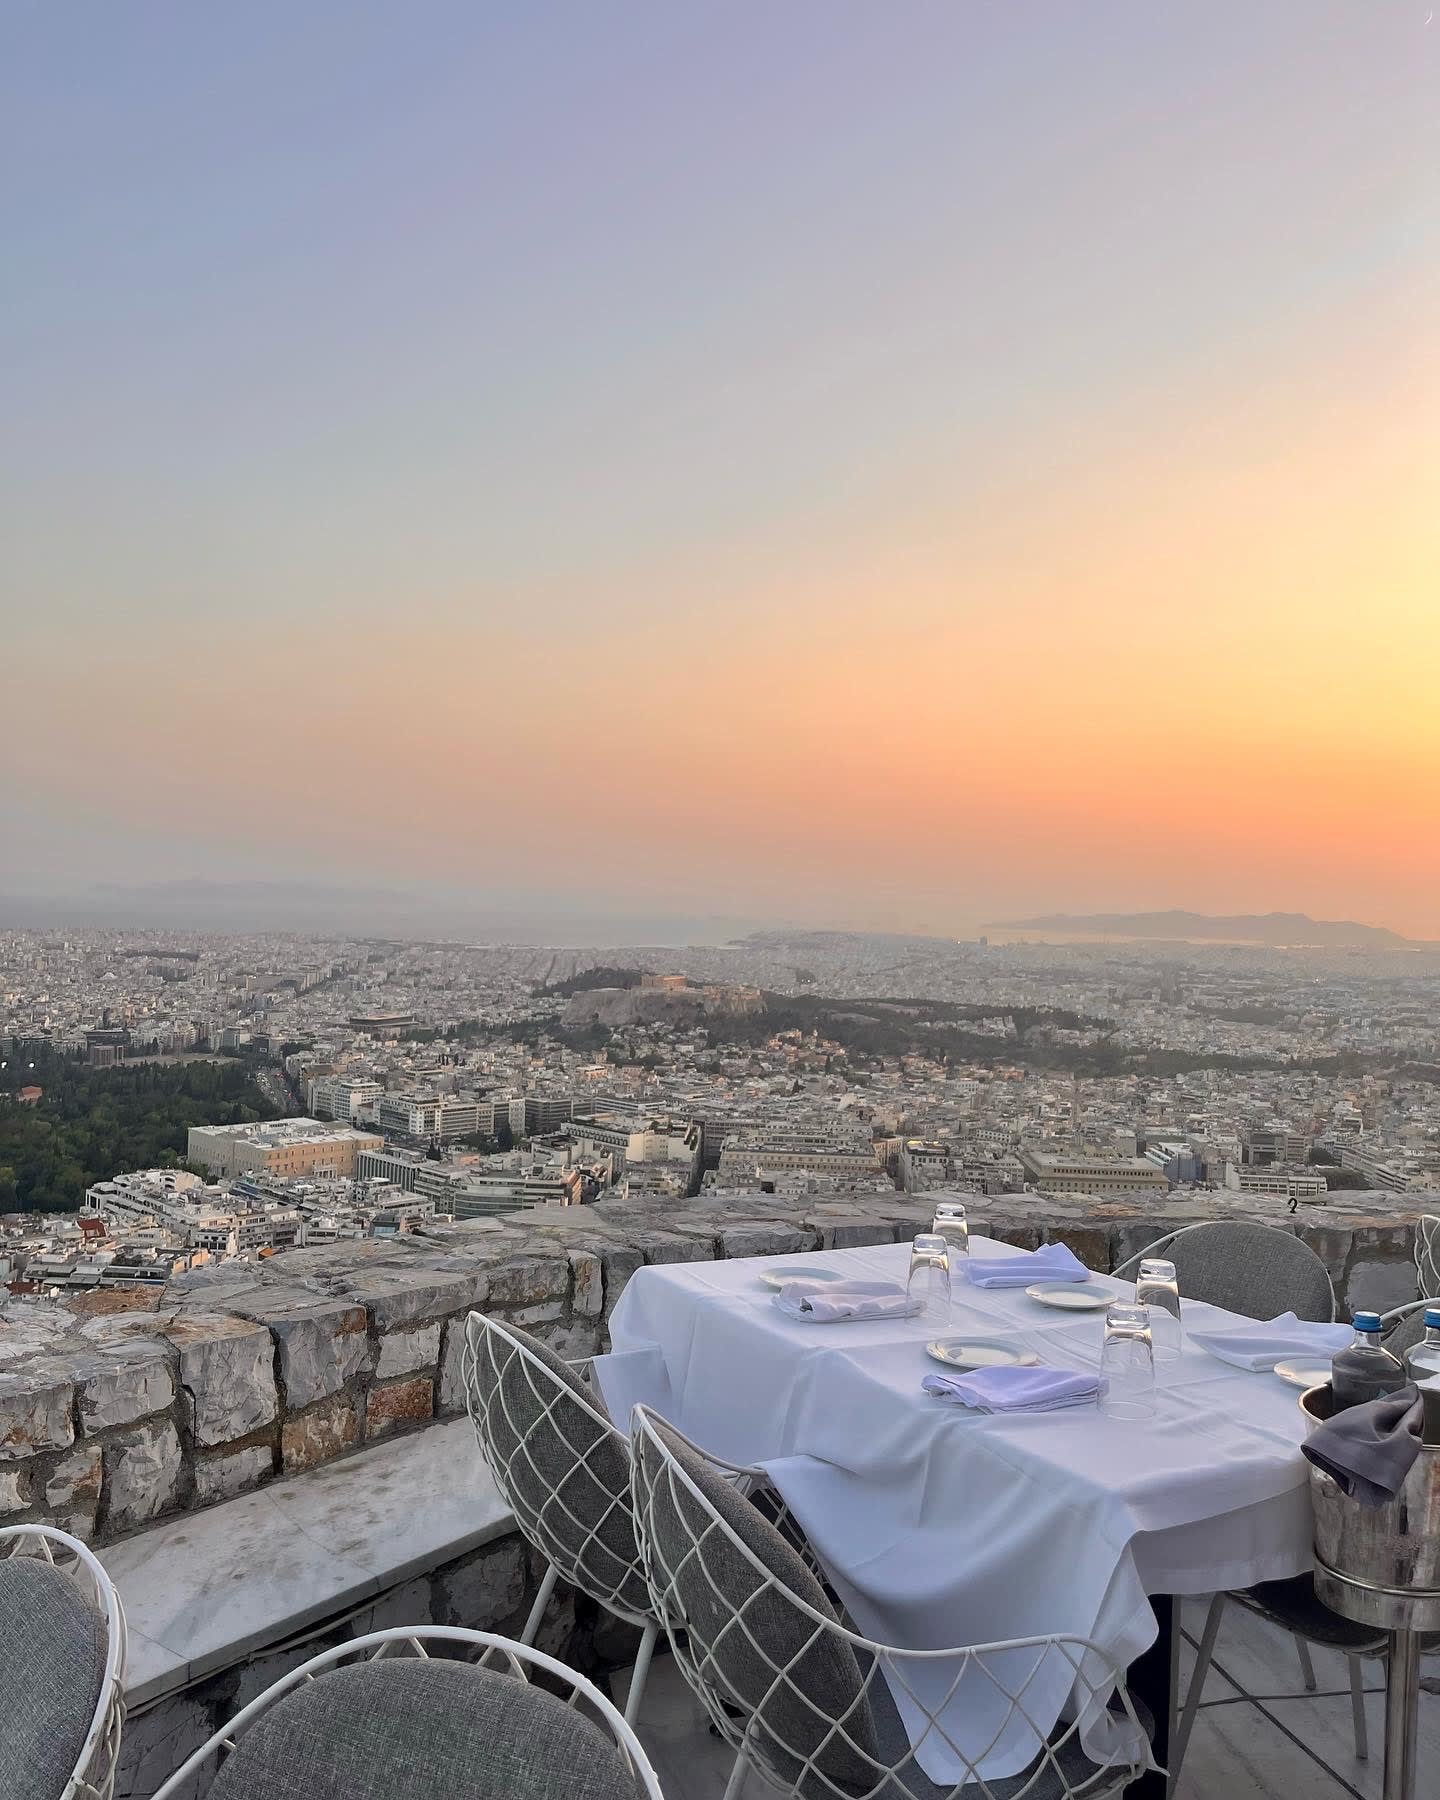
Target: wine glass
<point>951,1224</point>
<point>1127,1363</point>
<point>1157,1287</point>
<point>928,1286</point>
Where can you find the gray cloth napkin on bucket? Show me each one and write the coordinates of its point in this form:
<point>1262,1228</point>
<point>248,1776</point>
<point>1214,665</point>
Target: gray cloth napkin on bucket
<point>1371,1448</point>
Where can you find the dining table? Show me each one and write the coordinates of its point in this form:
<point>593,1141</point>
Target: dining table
<point>939,1526</point>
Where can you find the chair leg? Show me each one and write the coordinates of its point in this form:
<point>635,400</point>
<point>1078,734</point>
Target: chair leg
<point>1357,1707</point>
<point>640,1671</point>
<point>737,1775</point>
<point>1206,1650</point>
<point>1307,1668</point>
<point>542,1600</point>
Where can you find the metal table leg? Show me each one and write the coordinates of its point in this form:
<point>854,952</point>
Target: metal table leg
<point>1402,1714</point>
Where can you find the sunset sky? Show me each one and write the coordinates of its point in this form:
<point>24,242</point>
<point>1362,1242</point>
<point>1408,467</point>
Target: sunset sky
<point>855,463</point>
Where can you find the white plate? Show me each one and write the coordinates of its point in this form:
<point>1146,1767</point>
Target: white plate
<point>1070,1296</point>
<point>979,1353</point>
<point>777,1278</point>
<point>1301,1372</point>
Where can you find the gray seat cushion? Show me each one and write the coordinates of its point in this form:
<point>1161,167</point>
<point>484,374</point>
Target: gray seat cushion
<point>741,1631</point>
<point>1252,1269</point>
<point>53,1646</point>
<point>411,1729</point>
<point>1295,1605</point>
<point>565,1473</point>
<point>1407,1333</point>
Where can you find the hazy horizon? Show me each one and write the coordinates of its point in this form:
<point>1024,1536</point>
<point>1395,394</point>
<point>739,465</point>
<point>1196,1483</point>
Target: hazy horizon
<point>881,467</point>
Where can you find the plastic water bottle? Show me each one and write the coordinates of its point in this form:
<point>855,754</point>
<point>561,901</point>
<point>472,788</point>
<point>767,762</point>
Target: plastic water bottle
<point>1423,1363</point>
<point>1364,1369</point>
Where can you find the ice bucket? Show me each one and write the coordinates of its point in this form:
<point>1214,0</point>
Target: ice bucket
<point>1378,1565</point>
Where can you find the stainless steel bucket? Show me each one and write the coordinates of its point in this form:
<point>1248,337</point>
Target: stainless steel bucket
<point>1377,1565</point>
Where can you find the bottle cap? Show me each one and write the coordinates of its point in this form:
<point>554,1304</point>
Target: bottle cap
<point>1432,1318</point>
<point>1366,1321</point>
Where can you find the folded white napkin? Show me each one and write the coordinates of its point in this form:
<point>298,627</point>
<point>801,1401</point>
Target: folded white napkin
<point>824,1302</point>
<point>1260,1343</point>
<point>1016,1390</point>
<point>1052,1262</point>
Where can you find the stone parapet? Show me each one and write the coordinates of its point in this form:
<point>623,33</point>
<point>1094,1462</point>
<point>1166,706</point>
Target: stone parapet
<point>120,1407</point>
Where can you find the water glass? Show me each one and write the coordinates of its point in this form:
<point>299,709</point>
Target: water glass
<point>1127,1363</point>
<point>951,1224</point>
<point>1156,1286</point>
<point>928,1288</point>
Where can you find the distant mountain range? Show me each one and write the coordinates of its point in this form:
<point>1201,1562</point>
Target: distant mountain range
<point>1290,929</point>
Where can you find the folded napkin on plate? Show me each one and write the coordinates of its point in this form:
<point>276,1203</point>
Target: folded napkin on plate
<point>1257,1344</point>
<point>1052,1262</point>
<point>824,1302</point>
<point>1371,1448</point>
<point>1015,1390</point>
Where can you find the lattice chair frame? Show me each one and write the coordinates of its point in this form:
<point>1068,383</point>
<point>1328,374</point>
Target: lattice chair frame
<point>1427,1255</point>
<point>482,1649</point>
<point>765,1698</point>
<point>94,1773</point>
<point>564,1471</point>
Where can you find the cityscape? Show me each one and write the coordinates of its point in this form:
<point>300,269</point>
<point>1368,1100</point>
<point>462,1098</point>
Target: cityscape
<point>391,1084</point>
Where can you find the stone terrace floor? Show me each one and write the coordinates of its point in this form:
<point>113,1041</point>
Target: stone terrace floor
<point>1270,1749</point>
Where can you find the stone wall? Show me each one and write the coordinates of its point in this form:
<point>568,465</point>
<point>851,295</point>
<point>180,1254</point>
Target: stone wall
<point>118,1408</point>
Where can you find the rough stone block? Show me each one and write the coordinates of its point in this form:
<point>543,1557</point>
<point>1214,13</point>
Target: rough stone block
<point>143,1469</point>
<point>764,1237</point>
<point>533,1318</point>
<point>848,1231</point>
<point>231,1472</point>
<point>398,1403</point>
<point>1377,1283</point>
<point>1090,1243</point>
<point>482,1590</point>
<point>528,1280</point>
<point>12,1489</point>
<point>329,1429</point>
<point>396,1298</point>
<point>126,1384</point>
<point>619,1262</point>
<point>74,1484</point>
<point>321,1346</point>
<point>587,1283</point>
<point>450,1389</point>
<point>402,1352</point>
<point>34,1414</point>
<point>227,1371</point>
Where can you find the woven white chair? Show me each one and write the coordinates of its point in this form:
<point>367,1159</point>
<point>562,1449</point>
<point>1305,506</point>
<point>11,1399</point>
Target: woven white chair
<point>1257,1270</point>
<point>1427,1255</point>
<point>380,1718</point>
<point>811,1704</point>
<point>564,1471</point>
<point>62,1668</point>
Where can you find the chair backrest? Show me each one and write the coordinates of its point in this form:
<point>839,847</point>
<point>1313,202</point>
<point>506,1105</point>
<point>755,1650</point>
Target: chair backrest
<point>1427,1255</point>
<point>748,1623</point>
<point>1407,1332</point>
<point>560,1465</point>
<point>381,1716</point>
<point>1258,1270</point>
<point>816,1705</point>
<point>62,1648</point>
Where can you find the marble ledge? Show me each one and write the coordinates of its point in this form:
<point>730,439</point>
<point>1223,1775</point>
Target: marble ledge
<point>206,1590</point>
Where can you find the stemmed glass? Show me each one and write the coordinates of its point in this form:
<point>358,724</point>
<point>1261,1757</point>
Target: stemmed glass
<point>1127,1363</point>
<point>951,1224</point>
<point>928,1286</point>
<point>1157,1287</point>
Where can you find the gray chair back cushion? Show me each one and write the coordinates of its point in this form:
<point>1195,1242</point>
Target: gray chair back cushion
<point>1252,1269</point>
<point>565,1473</point>
<point>740,1631</point>
<point>1407,1333</point>
<point>53,1646</point>
<point>407,1728</point>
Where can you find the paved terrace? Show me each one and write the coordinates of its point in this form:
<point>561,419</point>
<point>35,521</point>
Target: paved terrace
<point>274,1455</point>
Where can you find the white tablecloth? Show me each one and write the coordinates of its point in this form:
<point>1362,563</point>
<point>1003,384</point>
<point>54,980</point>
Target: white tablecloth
<point>941,1527</point>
